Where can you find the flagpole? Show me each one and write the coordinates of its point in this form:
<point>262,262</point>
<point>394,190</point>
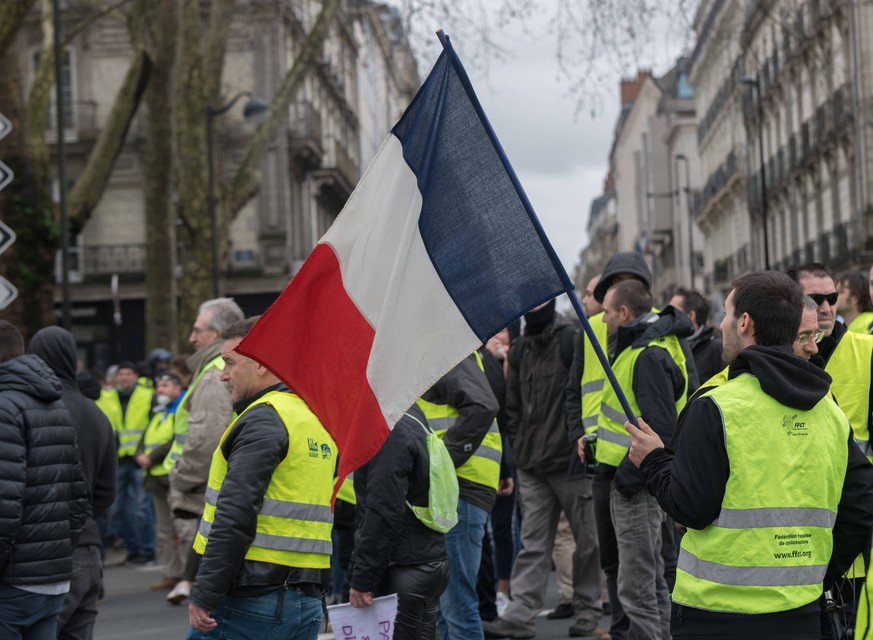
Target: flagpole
<point>553,256</point>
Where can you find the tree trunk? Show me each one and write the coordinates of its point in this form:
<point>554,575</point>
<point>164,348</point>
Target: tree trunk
<point>12,14</point>
<point>190,100</point>
<point>161,290</point>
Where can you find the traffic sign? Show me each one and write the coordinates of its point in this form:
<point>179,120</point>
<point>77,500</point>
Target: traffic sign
<point>6,176</point>
<point>8,293</point>
<point>5,126</point>
<point>7,236</point>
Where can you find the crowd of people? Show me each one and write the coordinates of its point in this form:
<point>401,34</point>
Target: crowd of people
<point>723,488</point>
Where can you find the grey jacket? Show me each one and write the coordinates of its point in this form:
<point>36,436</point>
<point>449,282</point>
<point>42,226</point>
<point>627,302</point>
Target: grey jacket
<point>209,414</point>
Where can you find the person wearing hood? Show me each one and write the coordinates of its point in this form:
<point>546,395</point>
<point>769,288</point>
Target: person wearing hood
<point>43,499</point>
<point>764,472</point>
<point>538,365</point>
<point>96,440</point>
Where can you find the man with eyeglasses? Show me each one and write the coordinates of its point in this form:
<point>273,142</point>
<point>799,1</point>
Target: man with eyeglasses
<point>808,335</point>
<point>847,356</point>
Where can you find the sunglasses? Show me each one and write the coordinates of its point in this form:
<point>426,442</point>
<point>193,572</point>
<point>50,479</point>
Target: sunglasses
<point>821,297</point>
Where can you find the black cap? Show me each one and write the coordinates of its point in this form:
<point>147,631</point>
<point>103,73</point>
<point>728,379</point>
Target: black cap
<point>629,262</point>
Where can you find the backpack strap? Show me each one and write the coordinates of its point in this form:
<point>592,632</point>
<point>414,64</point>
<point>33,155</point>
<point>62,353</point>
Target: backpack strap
<point>426,428</point>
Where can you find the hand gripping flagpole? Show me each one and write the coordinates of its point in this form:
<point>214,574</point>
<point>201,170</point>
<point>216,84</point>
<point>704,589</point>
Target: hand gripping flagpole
<point>556,262</point>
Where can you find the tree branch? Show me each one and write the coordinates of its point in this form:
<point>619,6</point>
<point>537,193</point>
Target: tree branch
<point>12,14</point>
<point>86,193</point>
<point>245,182</point>
<point>40,93</point>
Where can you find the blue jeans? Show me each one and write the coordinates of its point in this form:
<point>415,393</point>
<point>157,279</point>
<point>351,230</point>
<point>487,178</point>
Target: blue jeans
<point>28,616</point>
<point>459,605</point>
<point>297,617</point>
<point>132,514</point>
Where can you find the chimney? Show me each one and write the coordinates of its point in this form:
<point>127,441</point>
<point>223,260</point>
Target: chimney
<point>631,88</point>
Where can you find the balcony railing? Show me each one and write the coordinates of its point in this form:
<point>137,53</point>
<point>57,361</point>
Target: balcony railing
<point>305,131</point>
<point>103,260</point>
<point>339,159</point>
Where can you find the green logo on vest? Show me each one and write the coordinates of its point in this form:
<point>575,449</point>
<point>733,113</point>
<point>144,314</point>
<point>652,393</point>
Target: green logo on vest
<point>313,447</point>
<point>793,428</point>
<point>326,453</point>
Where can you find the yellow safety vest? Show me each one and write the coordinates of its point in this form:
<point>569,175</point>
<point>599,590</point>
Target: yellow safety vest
<point>849,367</point>
<point>613,440</point>
<point>769,547</point>
<point>483,467</point>
<point>294,523</point>
<point>346,491</point>
<point>865,603</point>
<point>593,375</point>
<point>159,432</point>
<point>129,424</point>
<point>180,423</point>
<point>861,324</point>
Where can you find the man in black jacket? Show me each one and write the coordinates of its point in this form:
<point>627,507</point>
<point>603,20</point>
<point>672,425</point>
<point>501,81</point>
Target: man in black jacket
<point>777,505</point>
<point>43,502</point>
<point>538,433</point>
<point>705,343</point>
<point>96,442</point>
<point>265,535</point>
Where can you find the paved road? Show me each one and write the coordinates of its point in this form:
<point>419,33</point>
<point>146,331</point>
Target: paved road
<point>131,611</point>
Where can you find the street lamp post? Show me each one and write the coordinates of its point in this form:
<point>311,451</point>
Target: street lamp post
<point>755,83</point>
<point>254,107</point>
<point>681,157</point>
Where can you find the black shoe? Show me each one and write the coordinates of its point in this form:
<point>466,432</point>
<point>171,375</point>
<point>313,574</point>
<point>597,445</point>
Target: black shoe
<point>140,560</point>
<point>563,610</point>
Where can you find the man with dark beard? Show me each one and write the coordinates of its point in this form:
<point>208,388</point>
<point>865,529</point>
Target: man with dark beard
<point>777,498</point>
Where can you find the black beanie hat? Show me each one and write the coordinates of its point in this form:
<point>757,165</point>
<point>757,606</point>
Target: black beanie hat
<point>630,262</point>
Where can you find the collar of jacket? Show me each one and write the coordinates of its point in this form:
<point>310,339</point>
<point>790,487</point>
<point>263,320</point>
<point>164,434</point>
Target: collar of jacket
<point>203,356</point>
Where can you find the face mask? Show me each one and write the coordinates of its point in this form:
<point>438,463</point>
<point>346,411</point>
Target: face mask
<point>163,400</point>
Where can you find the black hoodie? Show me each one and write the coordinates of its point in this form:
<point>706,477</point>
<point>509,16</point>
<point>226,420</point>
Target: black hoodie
<point>96,440</point>
<point>690,483</point>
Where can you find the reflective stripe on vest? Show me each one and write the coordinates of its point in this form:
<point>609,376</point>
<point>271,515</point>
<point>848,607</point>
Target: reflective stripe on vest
<point>180,424</point>
<point>770,546</point>
<point>483,467</point>
<point>294,524</point>
<point>159,432</point>
<point>593,376</point>
<point>849,367</point>
<point>612,439</point>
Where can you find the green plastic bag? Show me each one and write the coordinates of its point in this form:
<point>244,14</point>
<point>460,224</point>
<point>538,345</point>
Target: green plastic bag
<point>441,512</point>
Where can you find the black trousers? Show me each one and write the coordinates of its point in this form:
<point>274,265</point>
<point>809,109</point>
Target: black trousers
<point>418,588</point>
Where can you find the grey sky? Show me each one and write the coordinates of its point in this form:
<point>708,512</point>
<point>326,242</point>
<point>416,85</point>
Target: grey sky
<point>561,159</point>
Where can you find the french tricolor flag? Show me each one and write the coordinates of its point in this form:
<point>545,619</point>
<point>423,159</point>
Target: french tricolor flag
<point>436,250</point>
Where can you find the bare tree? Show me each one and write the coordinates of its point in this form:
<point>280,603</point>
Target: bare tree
<point>26,204</point>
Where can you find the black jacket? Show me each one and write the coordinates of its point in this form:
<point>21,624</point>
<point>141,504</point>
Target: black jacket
<point>94,435</point>
<point>43,503</point>
<point>466,388</point>
<point>387,531</point>
<point>253,450</point>
<point>690,483</point>
<point>535,409</point>
<point>657,384</point>
<point>573,397</point>
<point>705,346</point>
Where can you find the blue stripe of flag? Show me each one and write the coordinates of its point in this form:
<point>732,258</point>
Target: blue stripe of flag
<point>477,225</point>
